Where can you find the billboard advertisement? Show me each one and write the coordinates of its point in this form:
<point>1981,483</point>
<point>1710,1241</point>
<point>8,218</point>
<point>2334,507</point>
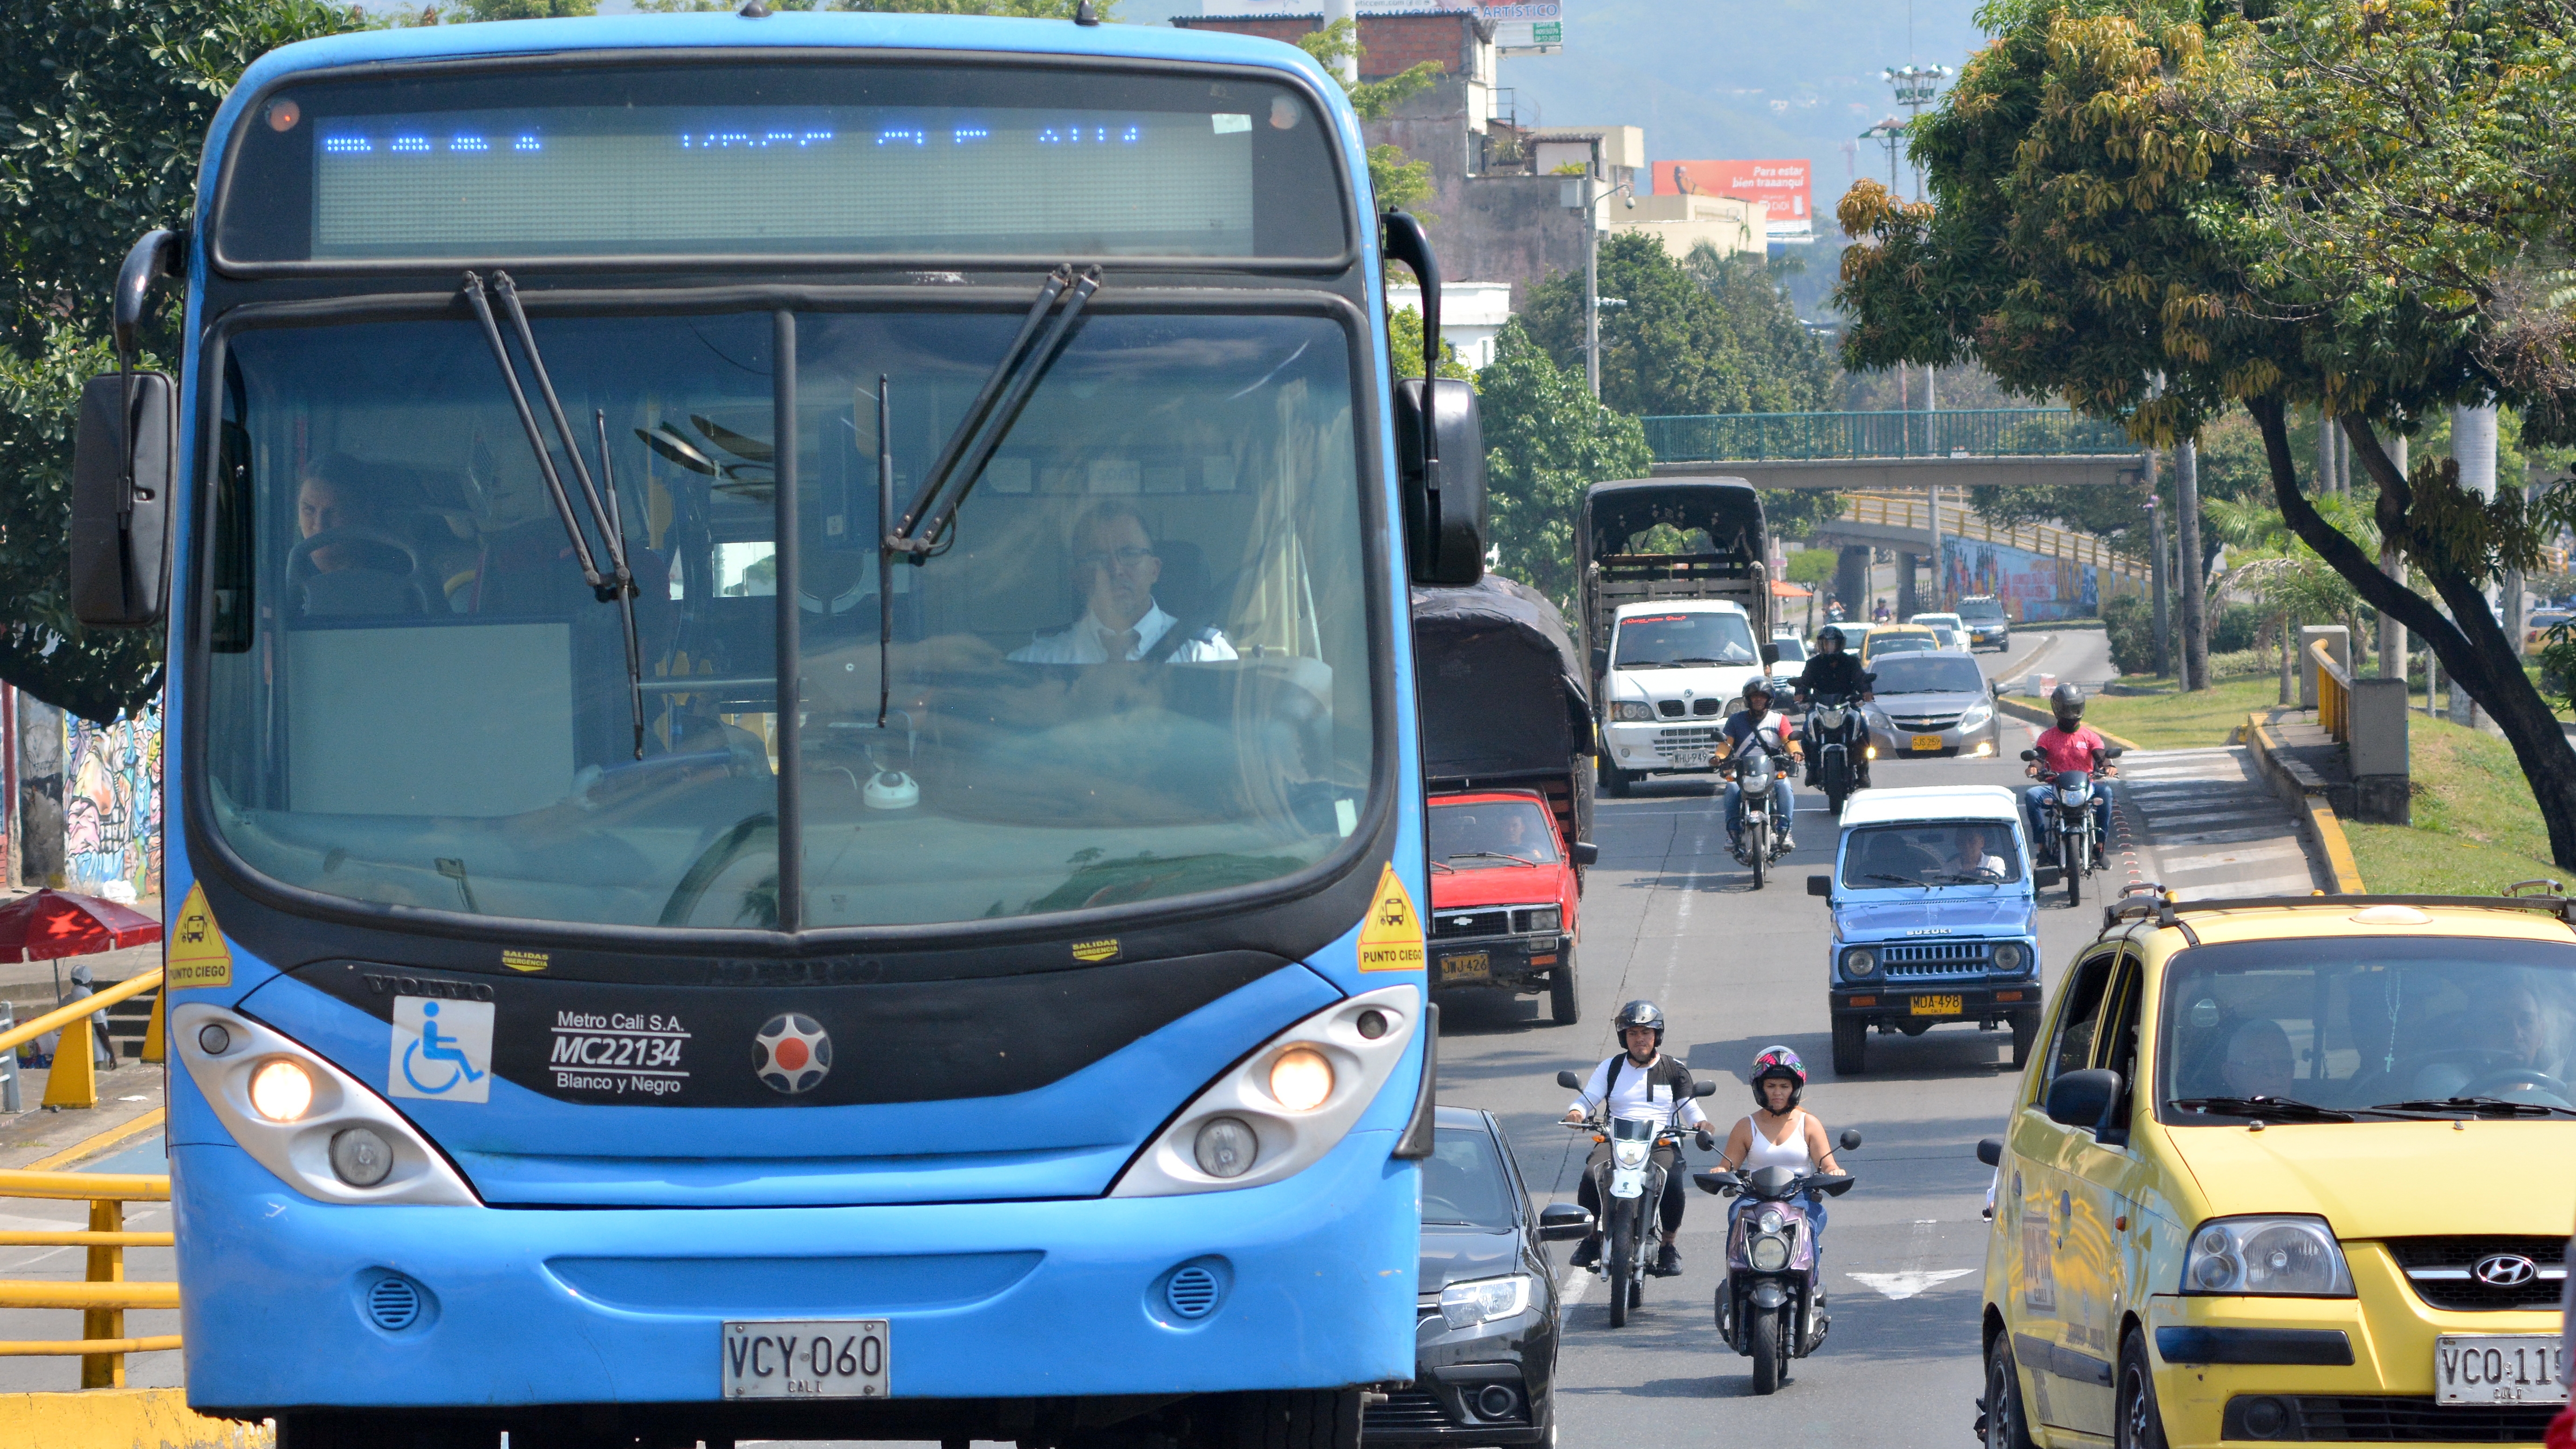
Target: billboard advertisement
<point>1519,25</point>
<point>1785,184</point>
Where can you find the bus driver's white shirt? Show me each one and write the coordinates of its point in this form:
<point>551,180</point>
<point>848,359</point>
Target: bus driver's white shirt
<point>1087,642</point>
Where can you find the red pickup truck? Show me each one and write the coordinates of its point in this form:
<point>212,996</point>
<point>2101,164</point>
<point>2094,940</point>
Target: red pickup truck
<point>1504,887</point>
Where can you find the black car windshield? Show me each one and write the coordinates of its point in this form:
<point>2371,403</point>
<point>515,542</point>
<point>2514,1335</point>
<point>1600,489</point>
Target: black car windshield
<point>1930,853</point>
<point>1928,674</point>
<point>1136,667</point>
<point>1980,609</point>
<point>1463,1182</point>
<point>1491,833</point>
<point>2341,1022</point>
<point>1702,637</point>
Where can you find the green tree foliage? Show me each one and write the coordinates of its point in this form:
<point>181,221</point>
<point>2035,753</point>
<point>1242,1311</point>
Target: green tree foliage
<point>1016,9</point>
<point>1546,440</point>
<point>1395,179</point>
<point>103,114</point>
<point>1721,341</point>
<point>523,9</point>
<point>2363,205</point>
<point>1404,348</point>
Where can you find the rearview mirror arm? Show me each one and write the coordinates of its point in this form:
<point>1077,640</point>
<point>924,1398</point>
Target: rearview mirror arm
<point>159,254</point>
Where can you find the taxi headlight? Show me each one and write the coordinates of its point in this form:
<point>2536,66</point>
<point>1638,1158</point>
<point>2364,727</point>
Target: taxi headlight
<point>281,1091</point>
<point>1769,1252</point>
<point>1625,711</point>
<point>2010,956</point>
<point>1860,961</point>
<point>1465,1305</point>
<point>2283,1256</point>
<point>1301,1079</point>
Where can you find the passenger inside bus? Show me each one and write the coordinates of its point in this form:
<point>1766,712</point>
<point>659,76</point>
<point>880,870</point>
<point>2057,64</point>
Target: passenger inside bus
<point>1117,564</point>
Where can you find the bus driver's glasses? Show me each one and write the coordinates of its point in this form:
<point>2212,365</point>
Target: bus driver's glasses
<point>1124,560</point>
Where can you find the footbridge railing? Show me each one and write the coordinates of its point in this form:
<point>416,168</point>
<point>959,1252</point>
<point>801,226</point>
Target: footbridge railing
<point>1958,433</point>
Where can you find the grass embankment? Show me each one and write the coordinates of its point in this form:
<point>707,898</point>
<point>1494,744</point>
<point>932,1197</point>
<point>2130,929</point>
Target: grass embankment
<point>2153,715</point>
<point>2476,829</point>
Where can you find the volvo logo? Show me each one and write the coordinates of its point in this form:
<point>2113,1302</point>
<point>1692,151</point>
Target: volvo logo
<point>2505,1270</point>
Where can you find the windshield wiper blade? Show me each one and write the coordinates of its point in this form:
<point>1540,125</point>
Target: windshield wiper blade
<point>2285,1108</point>
<point>989,418</point>
<point>618,584</point>
<point>1490,855</point>
<point>1899,879</point>
<point>2480,1106</point>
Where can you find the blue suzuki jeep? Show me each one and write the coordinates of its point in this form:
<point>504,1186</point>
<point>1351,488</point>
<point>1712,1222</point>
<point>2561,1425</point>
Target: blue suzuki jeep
<point>1935,918</point>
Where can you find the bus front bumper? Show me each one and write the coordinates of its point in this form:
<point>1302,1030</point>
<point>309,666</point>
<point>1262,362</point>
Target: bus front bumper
<point>606,1306</point>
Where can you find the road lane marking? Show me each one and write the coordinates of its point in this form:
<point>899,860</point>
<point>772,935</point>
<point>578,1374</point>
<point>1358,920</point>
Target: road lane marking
<point>1906,1285</point>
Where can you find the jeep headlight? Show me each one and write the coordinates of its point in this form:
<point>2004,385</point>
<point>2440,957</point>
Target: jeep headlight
<point>1485,1300</point>
<point>2283,1256</point>
<point>2011,956</point>
<point>1860,961</point>
<point>1630,710</point>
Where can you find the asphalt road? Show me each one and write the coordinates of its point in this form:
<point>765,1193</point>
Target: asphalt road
<point>1668,914</point>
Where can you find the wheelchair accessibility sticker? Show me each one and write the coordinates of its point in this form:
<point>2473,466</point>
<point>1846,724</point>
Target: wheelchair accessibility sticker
<point>442,1050</point>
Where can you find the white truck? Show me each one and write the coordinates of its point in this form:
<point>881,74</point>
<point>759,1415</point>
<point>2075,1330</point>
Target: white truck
<point>1676,617</point>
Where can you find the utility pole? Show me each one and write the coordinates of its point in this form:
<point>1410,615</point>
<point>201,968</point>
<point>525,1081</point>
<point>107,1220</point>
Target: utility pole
<point>1349,64</point>
<point>2194,586</point>
<point>2156,565</point>
<point>1579,195</point>
<point>2473,447</point>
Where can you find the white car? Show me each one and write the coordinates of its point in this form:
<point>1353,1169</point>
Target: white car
<point>1677,670</point>
<point>1953,632</point>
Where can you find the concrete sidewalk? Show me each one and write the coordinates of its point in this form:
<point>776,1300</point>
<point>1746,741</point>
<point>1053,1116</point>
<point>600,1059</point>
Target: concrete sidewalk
<point>2206,823</point>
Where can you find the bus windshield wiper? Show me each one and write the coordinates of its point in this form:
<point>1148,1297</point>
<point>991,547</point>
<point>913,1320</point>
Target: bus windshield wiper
<point>2287,1109</point>
<point>2480,1107</point>
<point>617,586</point>
<point>989,418</point>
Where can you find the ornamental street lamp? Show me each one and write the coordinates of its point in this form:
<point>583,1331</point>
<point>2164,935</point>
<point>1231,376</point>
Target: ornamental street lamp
<point>1891,134</point>
<point>1916,86</point>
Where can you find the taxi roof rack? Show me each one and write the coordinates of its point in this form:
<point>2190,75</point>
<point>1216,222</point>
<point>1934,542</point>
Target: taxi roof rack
<point>2144,900</point>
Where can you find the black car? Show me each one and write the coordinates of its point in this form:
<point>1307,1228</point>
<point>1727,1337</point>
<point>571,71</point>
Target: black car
<point>1485,1349</point>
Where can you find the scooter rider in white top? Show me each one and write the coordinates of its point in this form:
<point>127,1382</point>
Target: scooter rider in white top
<point>1780,1133</point>
<point>1645,1085</point>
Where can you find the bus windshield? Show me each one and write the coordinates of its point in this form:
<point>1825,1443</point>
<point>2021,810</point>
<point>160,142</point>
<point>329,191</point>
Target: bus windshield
<point>1136,668</point>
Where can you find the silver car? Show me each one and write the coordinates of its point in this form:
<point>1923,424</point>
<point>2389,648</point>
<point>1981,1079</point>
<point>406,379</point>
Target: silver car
<point>1932,703</point>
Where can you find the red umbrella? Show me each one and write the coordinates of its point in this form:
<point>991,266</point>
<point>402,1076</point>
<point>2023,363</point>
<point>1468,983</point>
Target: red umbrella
<point>53,923</point>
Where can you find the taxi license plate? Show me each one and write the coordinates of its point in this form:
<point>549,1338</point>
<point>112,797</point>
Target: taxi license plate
<point>1936,1006</point>
<point>1927,742</point>
<point>1466,968</point>
<point>836,1358</point>
<point>2518,1368</point>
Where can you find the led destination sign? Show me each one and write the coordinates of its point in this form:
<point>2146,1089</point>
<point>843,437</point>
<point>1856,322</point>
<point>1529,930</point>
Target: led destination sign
<point>716,160</point>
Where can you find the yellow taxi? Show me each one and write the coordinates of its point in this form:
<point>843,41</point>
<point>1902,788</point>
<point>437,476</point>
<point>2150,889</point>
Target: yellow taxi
<point>1886,639</point>
<point>2290,1170</point>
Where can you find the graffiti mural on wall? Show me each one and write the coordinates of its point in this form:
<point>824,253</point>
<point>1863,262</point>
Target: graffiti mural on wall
<point>112,802</point>
<point>2032,586</point>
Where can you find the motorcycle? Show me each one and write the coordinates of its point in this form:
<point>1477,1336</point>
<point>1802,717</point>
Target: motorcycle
<point>2070,831</point>
<point>1771,1308</point>
<point>1755,768</point>
<point>1630,1187</point>
<point>1836,735</point>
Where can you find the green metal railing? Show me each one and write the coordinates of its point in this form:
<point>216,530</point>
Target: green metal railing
<point>1970,433</point>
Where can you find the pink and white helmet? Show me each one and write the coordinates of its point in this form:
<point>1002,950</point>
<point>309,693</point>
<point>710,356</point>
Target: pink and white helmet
<point>1778,1061</point>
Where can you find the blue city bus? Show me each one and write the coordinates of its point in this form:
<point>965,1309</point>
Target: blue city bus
<point>797,803</point>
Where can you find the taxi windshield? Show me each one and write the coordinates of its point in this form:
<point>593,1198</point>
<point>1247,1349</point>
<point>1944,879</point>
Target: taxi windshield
<point>1930,853</point>
<point>1491,833</point>
<point>1649,641</point>
<point>2354,1023</point>
<point>1135,667</point>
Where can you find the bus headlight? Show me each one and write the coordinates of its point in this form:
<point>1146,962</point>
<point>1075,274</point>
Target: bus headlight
<point>323,1132</point>
<point>1284,1106</point>
<point>281,1091</point>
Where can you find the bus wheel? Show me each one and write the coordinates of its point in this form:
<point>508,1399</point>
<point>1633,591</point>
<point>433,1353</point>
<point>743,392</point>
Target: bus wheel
<point>1292,1419</point>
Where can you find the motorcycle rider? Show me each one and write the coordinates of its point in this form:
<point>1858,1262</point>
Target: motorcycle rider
<point>1758,714</point>
<point>2069,744</point>
<point>1644,1084</point>
<point>1780,1133</point>
<point>1832,671</point>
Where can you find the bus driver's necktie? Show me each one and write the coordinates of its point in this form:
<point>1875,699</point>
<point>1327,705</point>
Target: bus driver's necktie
<point>1125,643</point>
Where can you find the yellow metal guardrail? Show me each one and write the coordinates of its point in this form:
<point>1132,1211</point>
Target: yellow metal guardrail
<point>1915,514</point>
<point>103,1297</point>
<point>2334,693</point>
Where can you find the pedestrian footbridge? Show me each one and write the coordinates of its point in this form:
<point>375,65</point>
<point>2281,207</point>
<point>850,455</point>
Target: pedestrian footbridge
<point>1881,451</point>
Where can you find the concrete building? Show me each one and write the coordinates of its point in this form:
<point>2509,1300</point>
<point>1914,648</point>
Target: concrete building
<point>1472,314</point>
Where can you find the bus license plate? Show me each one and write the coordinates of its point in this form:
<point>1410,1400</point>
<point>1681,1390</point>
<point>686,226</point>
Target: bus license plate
<point>2518,1368</point>
<point>1936,1006</point>
<point>1927,742</point>
<point>837,1358</point>
<point>1466,968</point>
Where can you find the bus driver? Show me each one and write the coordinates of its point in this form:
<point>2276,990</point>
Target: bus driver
<point>1115,564</point>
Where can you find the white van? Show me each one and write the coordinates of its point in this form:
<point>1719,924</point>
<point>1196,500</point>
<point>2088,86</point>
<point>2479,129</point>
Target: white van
<point>1677,670</point>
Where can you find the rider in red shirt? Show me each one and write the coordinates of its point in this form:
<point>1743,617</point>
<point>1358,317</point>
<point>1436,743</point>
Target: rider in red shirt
<point>2070,744</point>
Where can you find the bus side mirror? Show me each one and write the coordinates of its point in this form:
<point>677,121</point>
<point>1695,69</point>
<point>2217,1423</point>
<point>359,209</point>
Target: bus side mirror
<point>1444,517</point>
<point>125,460</point>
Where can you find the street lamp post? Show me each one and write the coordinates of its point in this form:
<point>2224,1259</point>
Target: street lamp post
<point>1579,196</point>
<point>1916,86</point>
<point>1889,133</point>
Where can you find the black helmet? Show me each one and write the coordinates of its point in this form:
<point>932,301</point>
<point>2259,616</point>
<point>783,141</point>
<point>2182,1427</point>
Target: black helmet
<point>1641,1013</point>
<point>1757,685</point>
<point>1829,635</point>
<point>1778,1061</point>
<point>2067,703</point>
